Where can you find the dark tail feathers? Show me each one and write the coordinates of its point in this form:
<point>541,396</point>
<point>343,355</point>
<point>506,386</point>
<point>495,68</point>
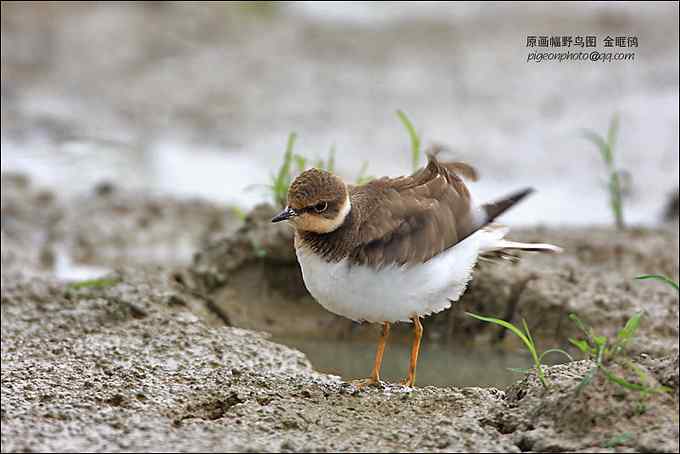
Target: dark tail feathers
<point>495,209</point>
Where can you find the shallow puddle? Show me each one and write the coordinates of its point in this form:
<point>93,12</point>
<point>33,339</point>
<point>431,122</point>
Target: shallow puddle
<point>439,365</point>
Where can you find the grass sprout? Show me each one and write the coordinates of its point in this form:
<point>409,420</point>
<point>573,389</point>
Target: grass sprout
<point>363,178</point>
<point>413,136</point>
<point>661,278</point>
<point>604,352</point>
<point>616,177</point>
<point>95,283</point>
<point>294,163</point>
<point>528,340</point>
<point>239,213</point>
<point>618,440</point>
<point>281,181</point>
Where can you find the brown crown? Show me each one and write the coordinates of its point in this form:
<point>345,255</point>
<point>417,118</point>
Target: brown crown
<point>313,186</point>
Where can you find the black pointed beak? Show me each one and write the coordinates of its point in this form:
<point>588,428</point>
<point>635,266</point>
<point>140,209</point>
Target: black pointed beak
<point>287,213</point>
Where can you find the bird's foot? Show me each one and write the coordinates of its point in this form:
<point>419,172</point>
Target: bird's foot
<point>365,382</point>
<point>408,382</point>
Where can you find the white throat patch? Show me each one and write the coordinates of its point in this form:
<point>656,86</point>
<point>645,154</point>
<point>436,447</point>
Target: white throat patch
<point>342,215</point>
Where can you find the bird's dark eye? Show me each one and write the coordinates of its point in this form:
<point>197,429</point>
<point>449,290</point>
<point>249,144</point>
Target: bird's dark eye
<point>320,207</point>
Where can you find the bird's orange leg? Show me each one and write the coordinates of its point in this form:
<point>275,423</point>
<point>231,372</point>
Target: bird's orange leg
<point>375,373</point>
<point>415,349</point>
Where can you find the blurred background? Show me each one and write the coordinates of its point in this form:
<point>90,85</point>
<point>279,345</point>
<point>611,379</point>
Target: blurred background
<point>198,100</point>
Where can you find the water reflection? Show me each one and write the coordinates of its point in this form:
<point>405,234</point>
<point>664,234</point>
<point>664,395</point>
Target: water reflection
<point>439,365</point>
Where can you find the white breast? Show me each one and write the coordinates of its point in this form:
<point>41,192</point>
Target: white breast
<point>393,293</point>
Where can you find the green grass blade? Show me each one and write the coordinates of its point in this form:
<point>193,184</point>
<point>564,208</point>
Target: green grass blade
<point>600,349</point>
<point>94,283</point>
<point>519,370</point>
<point>582,345</point>
<point>300,162</point>
<point>284,171</point>
<point>618,440</point>
<point>362,178</point>
<point>587,379</point>
<point>526,330</point>
<point>626,333</point>
<point>526,338</point>
<point>534,354</point>
<point>631,327</point>
<point>330,164</point>
<point>606,149</point>
<point>661,278</point>
<point>623,382</point>
<point>528,341</point>
<point>239,213</point>
<point>507,325</point>
<point>642,376</point>
<point>613,132</point>
<point>415,140</point>
<point>615,193</point>
<point>281,181</point>
<point>600,143</point>
<point>582,326</point>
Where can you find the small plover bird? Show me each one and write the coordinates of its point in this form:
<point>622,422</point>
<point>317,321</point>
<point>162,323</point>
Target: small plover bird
<point>394,249</point>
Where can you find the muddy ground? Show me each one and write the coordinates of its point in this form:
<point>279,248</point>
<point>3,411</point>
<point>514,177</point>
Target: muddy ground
<point>147,361</point>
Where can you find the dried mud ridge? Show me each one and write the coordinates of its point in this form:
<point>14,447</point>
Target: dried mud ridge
<point>145,364</point>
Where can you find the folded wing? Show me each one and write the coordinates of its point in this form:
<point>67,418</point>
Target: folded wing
<point>413,218</point>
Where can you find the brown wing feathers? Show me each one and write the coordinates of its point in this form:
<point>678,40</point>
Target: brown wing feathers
<point>412,218</point>
<point>408,219</point>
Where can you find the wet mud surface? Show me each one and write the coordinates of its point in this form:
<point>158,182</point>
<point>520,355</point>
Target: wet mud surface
<point>147,361</point>
<point>131,368</point>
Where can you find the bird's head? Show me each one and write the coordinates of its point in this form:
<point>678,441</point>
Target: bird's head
<point>318,201</point>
